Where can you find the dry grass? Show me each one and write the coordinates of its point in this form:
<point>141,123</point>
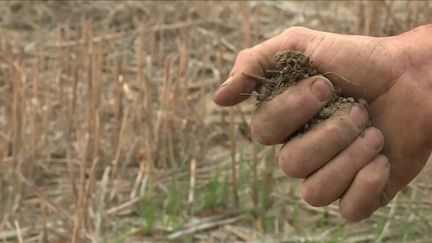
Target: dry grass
<point>108,132</point>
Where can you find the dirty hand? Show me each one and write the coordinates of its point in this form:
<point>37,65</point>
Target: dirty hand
<point>342,158</point>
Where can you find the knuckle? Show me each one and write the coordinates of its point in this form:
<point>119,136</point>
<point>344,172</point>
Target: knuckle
<point>332,128</point>
<point>244,54</point>
<point>264,139</point>
<point>344,128</point>
<point>291,163</point>
<point>352,157</point>
<point>295,30</point>
<point>346,213</point>
<point>311,195</point>
<point>350,214</point>
<point>297,100</point>
<point>370,180</point>
<point>374,178</point>
<point>266,127</point>
<point>260,133</point>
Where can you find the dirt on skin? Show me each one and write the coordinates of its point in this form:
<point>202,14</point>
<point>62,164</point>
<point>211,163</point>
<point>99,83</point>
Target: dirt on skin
<point>291,67</point>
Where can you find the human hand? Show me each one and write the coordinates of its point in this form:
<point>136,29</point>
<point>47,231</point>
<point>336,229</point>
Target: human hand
<point>343,159</point>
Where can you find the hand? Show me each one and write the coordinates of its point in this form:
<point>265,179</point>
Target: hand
<point>341,159</point>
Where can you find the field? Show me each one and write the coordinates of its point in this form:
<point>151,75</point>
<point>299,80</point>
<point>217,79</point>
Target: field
<point>108,132</point>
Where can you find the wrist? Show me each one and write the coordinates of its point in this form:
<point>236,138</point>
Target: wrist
<point>414,54</point>
<point>415,50</point>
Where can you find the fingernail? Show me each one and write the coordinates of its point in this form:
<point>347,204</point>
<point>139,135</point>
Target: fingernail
<point>226,82</point>
<point>374,137</point>
<point>383,161</point>
<point>363,102</point>
<point>359,115</point>
<point>322,88</point>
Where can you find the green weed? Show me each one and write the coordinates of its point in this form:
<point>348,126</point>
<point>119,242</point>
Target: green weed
<point>149,210</point>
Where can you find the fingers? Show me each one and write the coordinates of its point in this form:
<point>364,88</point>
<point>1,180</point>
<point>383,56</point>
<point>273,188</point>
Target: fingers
<point>329,183</point>
<point>247,61</point>
<point>275,120</point>
<point>303,155</point>
<point>259,58</point>
<point>363,196</point>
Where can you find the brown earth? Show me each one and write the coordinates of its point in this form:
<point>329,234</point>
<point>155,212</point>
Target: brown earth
<point>291,67</point>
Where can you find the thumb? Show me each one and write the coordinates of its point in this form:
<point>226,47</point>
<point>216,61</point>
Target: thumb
<point>260,57</point>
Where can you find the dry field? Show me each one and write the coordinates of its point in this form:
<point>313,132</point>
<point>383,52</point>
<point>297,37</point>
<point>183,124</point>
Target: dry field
<point>108,132</point>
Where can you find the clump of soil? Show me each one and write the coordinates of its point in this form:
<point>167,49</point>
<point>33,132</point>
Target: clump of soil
<point>291,67</point>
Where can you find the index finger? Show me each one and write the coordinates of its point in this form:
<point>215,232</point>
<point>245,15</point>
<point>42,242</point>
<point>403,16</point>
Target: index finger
<point>254,61</point>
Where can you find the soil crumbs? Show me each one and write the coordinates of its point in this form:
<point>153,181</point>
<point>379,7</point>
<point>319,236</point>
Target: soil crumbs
<point>291,67</point>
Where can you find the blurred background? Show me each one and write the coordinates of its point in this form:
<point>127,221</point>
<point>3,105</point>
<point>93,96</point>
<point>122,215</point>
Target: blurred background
<point>108,132</point>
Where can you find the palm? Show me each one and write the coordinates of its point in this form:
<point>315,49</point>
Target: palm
<point>377,75</point>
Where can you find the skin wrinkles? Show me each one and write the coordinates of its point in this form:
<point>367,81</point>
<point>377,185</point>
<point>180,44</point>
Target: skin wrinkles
<point>392,74</point>
<point>383,60</point>
<point>318,44</point>
<point>334,56</point>
<point>297,45</point>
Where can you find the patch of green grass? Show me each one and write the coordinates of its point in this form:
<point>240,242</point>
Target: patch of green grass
<point>165,209</point>
<point>406,234</point>
<point>324,220</point>
<point>265,189</point>
<point>216,193</point>
<point>336,235</point>
<point>265,218</point>
<point>245,172</point>
<point>380,229</point>
<point>149,209</point>
<point>174,200</point>
<point>174,203</point>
